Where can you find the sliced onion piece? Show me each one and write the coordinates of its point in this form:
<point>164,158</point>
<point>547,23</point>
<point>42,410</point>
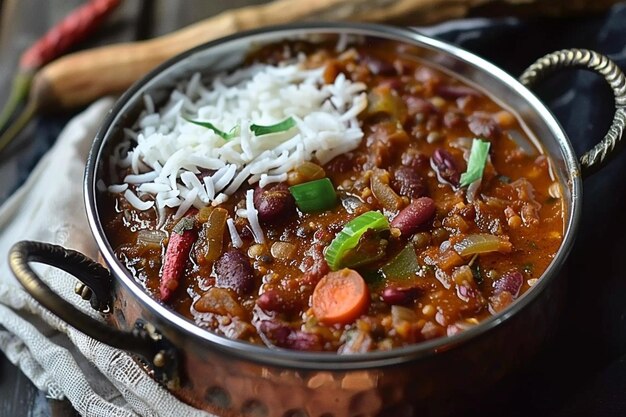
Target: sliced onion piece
<point>213,231</point>
<point>307,171</point>
<point>522,142</point>
<point>385,195</point>
<point>482,243</point>
<point>150,238</point>
<point>472,190</point>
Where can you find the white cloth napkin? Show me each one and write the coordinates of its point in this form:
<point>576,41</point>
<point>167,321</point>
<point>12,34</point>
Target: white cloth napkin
<point>98,380</point>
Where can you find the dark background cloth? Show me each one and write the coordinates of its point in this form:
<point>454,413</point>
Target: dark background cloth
<point>582,372</point>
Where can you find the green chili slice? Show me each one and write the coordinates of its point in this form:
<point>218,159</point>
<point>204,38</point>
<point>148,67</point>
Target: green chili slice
<point>348,238</point>
<point>476,163</point>
<point>314,196</point>
<point>404,265</point>
<point>283,126</point>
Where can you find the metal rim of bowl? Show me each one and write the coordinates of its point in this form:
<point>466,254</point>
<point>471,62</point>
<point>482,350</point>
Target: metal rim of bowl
<point>331,360</point>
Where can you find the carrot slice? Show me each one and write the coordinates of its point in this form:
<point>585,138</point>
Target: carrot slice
<point>340,297</point>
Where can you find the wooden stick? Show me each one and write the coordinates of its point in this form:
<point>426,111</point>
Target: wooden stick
<point>80,78</point>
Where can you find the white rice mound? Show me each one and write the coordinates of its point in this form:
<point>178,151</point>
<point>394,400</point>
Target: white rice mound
<point>165,152</point>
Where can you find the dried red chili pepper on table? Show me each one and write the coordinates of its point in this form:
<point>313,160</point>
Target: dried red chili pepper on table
<point>73,29</point>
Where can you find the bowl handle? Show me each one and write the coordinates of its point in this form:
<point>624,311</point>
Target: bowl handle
<point>596,157</point>
<point>142,340</point>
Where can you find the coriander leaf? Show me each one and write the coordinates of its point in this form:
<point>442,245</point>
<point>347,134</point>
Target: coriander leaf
<point>224,135</point>
<point>476,164</point>
<point>283,126</point>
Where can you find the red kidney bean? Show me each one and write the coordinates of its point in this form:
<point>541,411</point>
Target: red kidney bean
<point>299,340</point>
<point>443,163</point>
<point>455,91</point>
<point>510,282</point>
<point>276,331</point>
<point>414,159</point>
<point>417,105</point>
<point>453,119</point>
<point>415,215</point>
<point>393,295</point>
<point>380,67</point>
<point>408,182</point>
<point>270,300</point>
<point>274,204</point>
<point>284,336</point>
<point>340,164</point>
<point>278,301</point>
<point>483,126</point>
<point>233,271</point>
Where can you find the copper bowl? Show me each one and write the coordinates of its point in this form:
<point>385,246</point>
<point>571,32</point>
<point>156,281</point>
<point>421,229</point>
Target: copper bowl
<point>234,378</point>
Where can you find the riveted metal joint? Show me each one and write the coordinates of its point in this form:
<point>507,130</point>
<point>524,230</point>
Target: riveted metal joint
<point>144,340</point>
<point>83,290</point>
<point>160,359</point>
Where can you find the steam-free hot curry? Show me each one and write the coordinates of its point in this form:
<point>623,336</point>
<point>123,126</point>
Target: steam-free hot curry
<point>363,201</point>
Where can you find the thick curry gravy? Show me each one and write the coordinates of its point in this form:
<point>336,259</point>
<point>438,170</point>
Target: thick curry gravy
<point>419,128</point>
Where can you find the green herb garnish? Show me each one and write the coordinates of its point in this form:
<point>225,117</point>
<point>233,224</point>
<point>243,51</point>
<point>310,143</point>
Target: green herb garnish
<point>283,126</point>
<point>349,237</point>
<point>313,196</point>
<point>476,164</point>
<point>224,135</point>
<point>258,130</point>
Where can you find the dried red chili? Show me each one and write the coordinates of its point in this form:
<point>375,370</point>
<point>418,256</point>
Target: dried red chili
<point>74,28</point>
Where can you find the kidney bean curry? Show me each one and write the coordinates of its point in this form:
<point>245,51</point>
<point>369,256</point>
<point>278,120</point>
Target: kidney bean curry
<point>442,214</point>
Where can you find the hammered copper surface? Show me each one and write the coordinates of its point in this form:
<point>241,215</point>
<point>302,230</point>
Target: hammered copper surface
<point>439,385</point>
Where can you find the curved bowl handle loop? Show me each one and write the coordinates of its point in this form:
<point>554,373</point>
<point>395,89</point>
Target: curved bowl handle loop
<point>139,341</point>
<point>596,157</point>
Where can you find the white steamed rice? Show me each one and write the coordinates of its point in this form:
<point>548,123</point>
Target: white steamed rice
<point>166,154</point>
